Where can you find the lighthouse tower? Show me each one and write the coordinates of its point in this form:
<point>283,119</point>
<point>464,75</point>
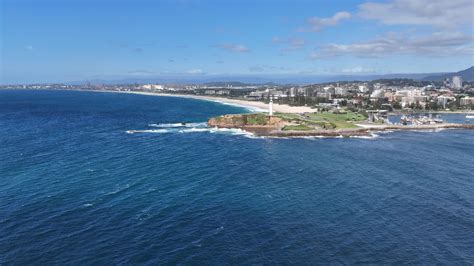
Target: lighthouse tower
<point>270,107</point>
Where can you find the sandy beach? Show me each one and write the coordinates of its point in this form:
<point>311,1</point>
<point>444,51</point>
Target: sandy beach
<point>263,107</point>
<point>252,105</point>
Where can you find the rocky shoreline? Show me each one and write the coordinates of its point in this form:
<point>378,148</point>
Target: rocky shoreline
<point>359,132</point>
<point>273,127</point>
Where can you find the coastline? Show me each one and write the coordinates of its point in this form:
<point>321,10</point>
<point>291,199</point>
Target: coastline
<point>251,105</point>
<point>367,131</point>
<point>258,106</point>
<point>363,130</point>
<point>255,106</point>
<point>274,126</point>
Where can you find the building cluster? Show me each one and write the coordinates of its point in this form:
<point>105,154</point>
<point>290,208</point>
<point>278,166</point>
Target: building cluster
<point>382,94</point>
<point>450,94</point>
<point>365,95</point>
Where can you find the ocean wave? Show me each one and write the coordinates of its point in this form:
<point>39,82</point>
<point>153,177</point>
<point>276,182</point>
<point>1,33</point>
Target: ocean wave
<point>371,136</point>
<point>179,125</point>
<point>147,131</point>
<point>166,125</point>
<point>191,128</point>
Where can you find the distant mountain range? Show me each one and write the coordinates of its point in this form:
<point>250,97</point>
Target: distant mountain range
<point>467,75</point>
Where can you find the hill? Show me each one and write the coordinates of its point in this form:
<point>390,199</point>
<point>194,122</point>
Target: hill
<point>467,75</point>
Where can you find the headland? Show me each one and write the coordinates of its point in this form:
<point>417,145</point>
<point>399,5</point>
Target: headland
<point>346,124</point>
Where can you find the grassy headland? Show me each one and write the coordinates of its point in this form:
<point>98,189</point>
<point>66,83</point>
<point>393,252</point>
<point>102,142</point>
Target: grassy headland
<point>324,120</point>
<point>291,121</point>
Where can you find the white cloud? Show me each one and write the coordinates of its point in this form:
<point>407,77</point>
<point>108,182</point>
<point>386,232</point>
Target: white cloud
<point>195,71</point>
<point>28,47</point>
<point>316,24</point>
<point>435,44</point>
<point>437,13</point>
<point>358,70</point>
<point>238,48</point>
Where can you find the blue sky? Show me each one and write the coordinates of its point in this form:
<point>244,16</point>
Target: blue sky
<point>70,40</point>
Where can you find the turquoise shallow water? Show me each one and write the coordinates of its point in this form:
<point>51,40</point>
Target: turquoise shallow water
<point>76,188</point>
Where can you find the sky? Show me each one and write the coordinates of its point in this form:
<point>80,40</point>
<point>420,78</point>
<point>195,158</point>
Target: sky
<point>71,40</point>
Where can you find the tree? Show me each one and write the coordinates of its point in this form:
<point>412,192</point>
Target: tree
<point>396,105</point>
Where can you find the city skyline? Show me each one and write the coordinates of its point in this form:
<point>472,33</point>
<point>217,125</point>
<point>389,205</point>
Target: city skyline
<point>63,41</point>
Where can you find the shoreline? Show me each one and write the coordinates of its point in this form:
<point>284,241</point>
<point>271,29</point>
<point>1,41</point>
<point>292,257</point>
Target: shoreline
<point>366,131</point>
<point>253,106</point>
<point>363,130</point>
<point>256,106</point>
<point>276,127</point>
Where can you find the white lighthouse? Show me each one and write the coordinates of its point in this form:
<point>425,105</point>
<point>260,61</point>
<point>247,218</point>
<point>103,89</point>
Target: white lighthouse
<point>270,107</point>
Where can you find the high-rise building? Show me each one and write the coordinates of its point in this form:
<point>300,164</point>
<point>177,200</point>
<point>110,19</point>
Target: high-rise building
<point>457,82</point>
<point>293,92</point>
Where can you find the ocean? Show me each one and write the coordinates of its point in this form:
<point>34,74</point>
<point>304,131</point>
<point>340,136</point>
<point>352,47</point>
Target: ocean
<point>109,178</point>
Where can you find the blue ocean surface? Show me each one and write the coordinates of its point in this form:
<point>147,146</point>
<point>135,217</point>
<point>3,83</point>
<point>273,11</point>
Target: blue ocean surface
<point>108,178</point>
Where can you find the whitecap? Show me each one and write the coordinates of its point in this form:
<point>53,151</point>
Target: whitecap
<point>179,125</point>
<point>231,131</point>
<point>147,131</point>
<point>118,190</point>
<point>193,129</point>
<point>197,243</point>
<point>167,125</point>
<point>371,136</point>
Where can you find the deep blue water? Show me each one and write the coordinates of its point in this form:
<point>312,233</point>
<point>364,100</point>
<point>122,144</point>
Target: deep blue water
<point>75,188</point>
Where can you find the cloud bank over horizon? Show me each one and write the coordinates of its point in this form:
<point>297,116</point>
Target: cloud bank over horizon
<point>85,39</point>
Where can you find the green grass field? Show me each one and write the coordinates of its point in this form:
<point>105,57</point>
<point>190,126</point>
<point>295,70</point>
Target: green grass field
<point>324,120</point>
<point>297,127</point>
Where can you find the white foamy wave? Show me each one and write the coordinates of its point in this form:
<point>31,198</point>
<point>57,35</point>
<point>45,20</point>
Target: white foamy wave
<point>148,131</point>
<point>193,129</point>
<point>179,125</point>
<point>232,131</point>
<point>385,132</point>
<point>215,130</point>
<point>371,136</point>
<point>429,130</point>
<point>201,124</point>
<point>166,125</point>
